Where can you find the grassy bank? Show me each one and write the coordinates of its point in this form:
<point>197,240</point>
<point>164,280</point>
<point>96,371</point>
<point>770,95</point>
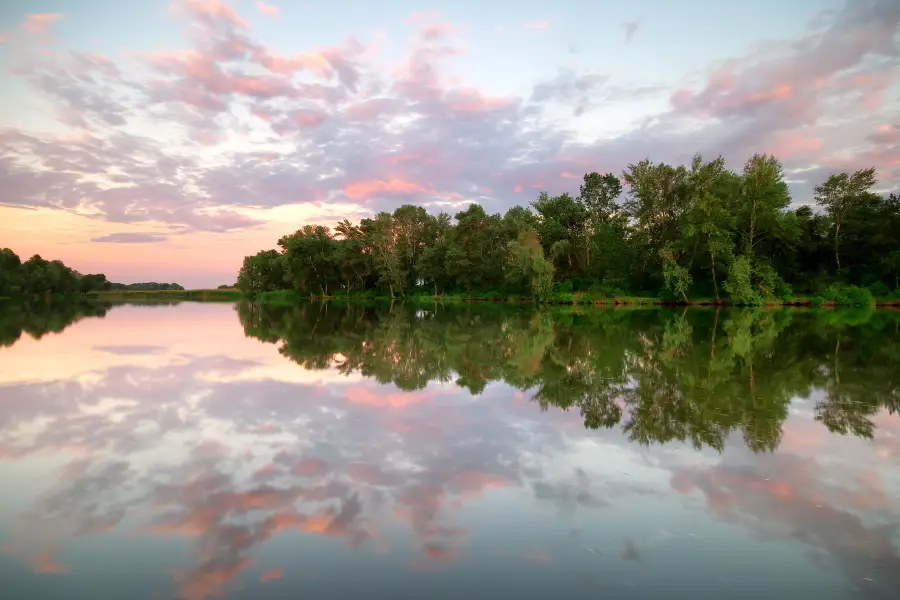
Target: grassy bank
<point>229,295</point>
<point>853,299</point>
<point>850,297</point>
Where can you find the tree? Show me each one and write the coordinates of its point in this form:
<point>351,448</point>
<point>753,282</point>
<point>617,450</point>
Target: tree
<point>526,263</point>
<point>433,266</point>
<point>381,239</point>
<point>561,225</point>
<point>262,272</point>
<point>598,194</point>
<point>710,222</point>
<point>840,194</point>
<point>309,256</point>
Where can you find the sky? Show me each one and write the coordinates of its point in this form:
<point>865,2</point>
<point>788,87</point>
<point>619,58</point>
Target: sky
<point>166,140</point>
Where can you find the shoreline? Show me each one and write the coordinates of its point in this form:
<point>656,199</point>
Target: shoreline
<point>569,299</point>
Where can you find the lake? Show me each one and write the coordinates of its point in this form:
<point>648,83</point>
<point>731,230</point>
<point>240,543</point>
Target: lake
<point>484,451</point>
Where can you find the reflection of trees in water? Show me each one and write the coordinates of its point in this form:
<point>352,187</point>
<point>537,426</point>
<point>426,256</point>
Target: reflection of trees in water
<point>694,375</point>
<point>40,318</point>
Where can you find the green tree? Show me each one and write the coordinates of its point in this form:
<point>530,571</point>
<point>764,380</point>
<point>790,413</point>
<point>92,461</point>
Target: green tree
<point>840,194</point>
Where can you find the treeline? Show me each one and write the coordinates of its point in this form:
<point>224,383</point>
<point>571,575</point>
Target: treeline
<point>37,277</point>
<point>145,286</point>
<point>680,232</point>
<point>688,375</point>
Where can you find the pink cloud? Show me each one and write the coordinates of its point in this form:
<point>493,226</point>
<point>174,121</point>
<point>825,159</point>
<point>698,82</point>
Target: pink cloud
<point>363,395</point>
<point>46,563</point>
<point>272,575</point>
<point>200,584</point>
<point>39,24</point>
<point>887,133</point>
<point>437,31</point>
<point>314,62</point>
<point>209,11</point>
<point>267,9</point>
<point>395,185</point>
<point>790,143</point>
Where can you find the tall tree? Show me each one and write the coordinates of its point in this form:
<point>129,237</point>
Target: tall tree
<point>840,194</point>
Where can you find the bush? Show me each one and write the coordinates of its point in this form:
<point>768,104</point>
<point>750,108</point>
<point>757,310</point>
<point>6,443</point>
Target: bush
<point>563,287</point>
<point>879,290</point>
<point>854,296</point>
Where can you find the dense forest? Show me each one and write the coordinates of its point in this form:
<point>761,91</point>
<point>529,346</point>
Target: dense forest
<point>693,375</point>
<point>37,277</point>
<point>699,231</point>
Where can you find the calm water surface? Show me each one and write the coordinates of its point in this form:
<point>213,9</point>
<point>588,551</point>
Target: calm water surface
<point>216,451</point>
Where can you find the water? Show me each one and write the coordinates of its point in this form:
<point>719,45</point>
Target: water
<point>210,451</point>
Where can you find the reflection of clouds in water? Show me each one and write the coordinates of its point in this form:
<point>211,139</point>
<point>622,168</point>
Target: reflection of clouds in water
<point>851,525</point>
<point>212,448</point>
<point>231,493</point>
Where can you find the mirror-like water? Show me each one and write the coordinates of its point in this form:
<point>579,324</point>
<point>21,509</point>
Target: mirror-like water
<point>210,451</point>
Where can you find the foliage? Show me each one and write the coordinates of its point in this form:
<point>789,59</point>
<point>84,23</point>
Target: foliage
<point>39,278</point>
<point>680,232</point>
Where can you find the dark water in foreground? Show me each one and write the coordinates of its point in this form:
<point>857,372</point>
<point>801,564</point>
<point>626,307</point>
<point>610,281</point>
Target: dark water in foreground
<point>195,451</point>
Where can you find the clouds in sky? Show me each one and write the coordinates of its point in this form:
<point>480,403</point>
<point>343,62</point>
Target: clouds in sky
<point>214,135</point>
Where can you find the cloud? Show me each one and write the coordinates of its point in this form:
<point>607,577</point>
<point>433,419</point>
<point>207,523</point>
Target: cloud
<point>213,136</point>
<point>267,9</point>
<point>538,25</point>
<point>631,29</point>
<point>130,238</point>
<point>272,575</point>
<point>39,24</point>
<point>131,349</point>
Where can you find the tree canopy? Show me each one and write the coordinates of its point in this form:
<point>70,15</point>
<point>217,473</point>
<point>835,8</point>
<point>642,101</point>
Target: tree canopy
<point>39,277</point>
<point>678,231</point>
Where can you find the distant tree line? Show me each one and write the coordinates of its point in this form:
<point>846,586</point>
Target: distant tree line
<point>152,285</point>
<point>680,232</point>
<point>37,277</point>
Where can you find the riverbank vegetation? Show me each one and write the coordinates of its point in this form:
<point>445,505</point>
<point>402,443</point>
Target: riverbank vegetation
<point>217,295</point>
<point>681,234</point>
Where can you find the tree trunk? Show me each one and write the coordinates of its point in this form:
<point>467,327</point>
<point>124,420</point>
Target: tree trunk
<point>712,260</point>
<point>837,237</point>
<point>391,287</point>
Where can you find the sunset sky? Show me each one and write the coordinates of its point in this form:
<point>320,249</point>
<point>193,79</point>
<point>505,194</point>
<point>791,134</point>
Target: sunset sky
<point>163,140</point>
